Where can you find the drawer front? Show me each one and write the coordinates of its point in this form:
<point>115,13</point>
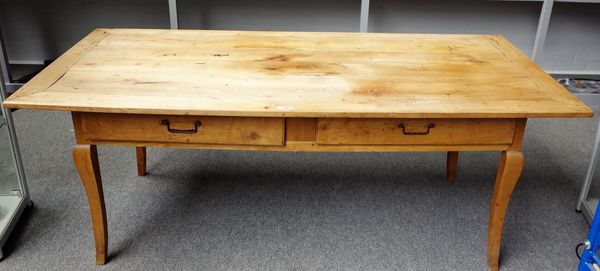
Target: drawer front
<point>180,129</point>
<point>415,131</point>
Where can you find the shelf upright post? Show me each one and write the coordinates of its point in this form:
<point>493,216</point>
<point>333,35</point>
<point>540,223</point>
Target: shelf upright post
<point>4,60</point>
<point>364,16</point>
<point>174,21</point>
<point>542,30</point>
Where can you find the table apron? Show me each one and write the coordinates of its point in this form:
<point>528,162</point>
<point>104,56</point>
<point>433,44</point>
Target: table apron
<point>298,134</point>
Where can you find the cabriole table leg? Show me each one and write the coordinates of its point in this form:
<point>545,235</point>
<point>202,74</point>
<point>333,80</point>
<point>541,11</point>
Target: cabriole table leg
<point>86,162</point>
<point>509,170</point>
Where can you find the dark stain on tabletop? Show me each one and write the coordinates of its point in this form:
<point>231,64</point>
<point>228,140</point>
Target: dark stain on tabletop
<point>281,64</point>
<point>374,89</point>
<point>282,58</point>
<point>303,67</point>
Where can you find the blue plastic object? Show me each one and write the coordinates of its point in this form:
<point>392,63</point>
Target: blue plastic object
<point>588,255</point>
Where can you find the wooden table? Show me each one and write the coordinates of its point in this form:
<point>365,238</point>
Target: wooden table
<point>283,91</point>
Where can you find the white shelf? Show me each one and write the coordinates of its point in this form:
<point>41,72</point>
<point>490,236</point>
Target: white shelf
<point>583,73</point>
<point>564,1</point>
<point>580,1</point>
<point>11,208</point>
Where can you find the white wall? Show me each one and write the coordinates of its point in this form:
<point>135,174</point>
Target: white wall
<point>284,15</point>
<point>36,29</point>
<point>515,20</point>
<point>573,41</point>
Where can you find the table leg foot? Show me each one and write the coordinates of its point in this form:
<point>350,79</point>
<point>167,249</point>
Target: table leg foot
<point>509,170</point>
<point>451,165</point>
<point>86,163</point>
<point>140,153</point>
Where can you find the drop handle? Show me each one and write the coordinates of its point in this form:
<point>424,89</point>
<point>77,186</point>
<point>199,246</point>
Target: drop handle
<point>407,131</point>
<point>178,131</point>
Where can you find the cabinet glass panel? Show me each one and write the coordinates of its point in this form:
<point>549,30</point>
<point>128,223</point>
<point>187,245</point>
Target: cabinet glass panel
<point>13,190</point>
<point>9,182</point>
<point>590,192</point>
<point>591,199</point>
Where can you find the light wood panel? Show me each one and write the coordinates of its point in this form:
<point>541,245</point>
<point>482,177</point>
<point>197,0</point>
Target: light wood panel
<point>300,129</point>
<point>415,132</point>
<point>286,74</point>
<point>183,129</point>
<point>47,77</point>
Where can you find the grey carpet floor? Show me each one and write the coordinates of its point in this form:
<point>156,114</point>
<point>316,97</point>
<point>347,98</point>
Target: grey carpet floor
<point>228,210</point>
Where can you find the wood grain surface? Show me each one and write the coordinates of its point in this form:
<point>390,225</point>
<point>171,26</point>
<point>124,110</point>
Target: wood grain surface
<point>341,131</point>
<point>295,74</point>
<point>149,128</point>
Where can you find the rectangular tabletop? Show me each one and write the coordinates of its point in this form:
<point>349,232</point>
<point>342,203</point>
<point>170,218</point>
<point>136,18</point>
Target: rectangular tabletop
<point>276,74</point>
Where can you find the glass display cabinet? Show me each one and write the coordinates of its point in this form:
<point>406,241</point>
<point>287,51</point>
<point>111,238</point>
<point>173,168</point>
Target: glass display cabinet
<point>14,196</point>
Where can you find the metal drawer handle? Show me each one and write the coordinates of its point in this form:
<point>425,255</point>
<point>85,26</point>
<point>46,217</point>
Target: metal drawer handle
<point>177,131</point>
<point>404,131</point>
